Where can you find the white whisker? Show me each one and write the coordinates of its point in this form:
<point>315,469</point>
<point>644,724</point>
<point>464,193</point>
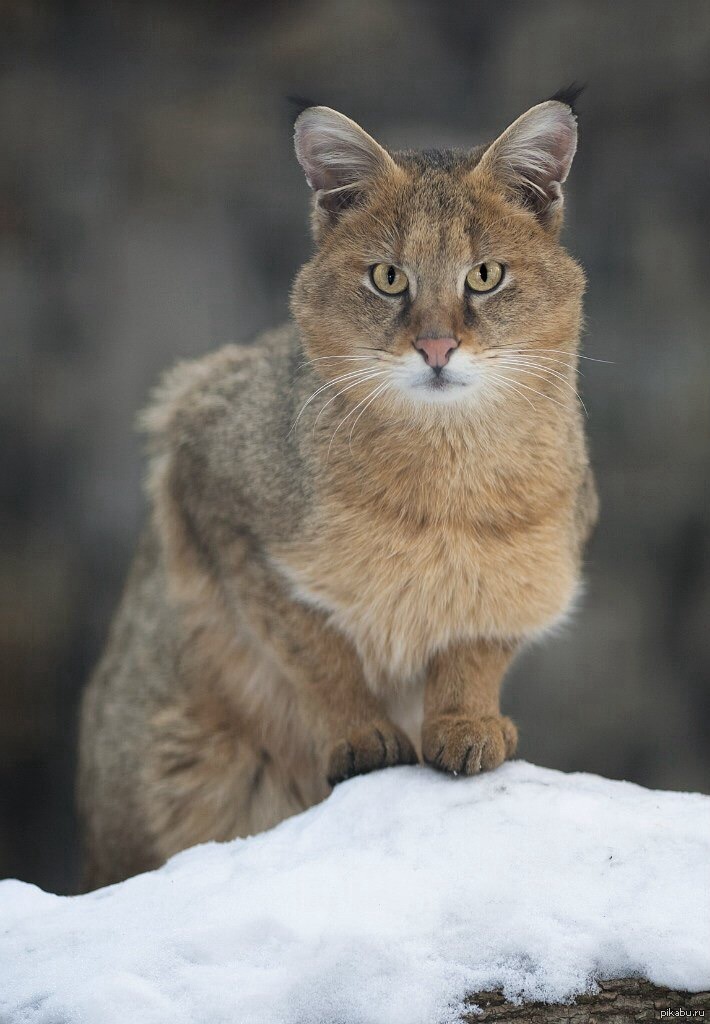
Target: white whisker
<point>528,366</point>
<point>383,354</point>
<point>318,359</point>
<point>522,362</point>
<point>568,363</point>
<point>380,390</point>
<point>336,380</point>
<point>360,380</point>
<point>525,361</point>
<point>500,380</point>
<point>349,414</point>
<point>578,355</point>
<point>542,394</point>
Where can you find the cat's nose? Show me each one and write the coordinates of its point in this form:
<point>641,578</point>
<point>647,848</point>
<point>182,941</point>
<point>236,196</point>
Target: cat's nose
<point>436,351</point>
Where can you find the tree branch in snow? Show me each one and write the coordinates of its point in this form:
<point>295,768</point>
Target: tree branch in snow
<point>622,1001</point>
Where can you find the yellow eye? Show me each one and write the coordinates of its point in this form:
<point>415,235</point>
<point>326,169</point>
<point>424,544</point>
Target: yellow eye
<point>485,276</point>
<point>388,279</point>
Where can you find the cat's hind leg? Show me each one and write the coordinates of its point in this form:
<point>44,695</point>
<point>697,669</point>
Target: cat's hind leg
<point>208,777</point>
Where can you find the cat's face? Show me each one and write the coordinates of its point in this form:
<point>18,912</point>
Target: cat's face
<point>439,277</point>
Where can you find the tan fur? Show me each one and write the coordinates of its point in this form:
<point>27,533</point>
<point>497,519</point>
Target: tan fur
<point>308,596</point>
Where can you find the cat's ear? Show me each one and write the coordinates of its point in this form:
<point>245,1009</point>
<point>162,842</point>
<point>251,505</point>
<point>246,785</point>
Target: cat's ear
<point>339,159</point>
<point>532,159</point>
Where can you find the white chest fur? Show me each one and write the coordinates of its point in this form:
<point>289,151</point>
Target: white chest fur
<point>400,592</point>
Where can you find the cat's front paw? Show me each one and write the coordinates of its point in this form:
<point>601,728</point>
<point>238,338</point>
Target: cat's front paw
<point>368,748</point>
<point>466,746</point>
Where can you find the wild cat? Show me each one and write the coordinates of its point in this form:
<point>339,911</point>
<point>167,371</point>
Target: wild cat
<point>358,520</point>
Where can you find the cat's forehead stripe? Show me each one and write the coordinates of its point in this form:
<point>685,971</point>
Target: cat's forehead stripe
<point>435,221</point>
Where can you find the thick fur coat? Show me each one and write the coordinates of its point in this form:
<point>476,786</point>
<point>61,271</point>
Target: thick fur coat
<point>359,519</point>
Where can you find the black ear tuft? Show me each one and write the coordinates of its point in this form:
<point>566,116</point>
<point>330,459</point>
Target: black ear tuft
<point>570,95</point>
<point>298,104</point>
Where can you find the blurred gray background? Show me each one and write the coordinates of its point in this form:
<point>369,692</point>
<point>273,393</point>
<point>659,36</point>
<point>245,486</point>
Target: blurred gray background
<point>151,209</point>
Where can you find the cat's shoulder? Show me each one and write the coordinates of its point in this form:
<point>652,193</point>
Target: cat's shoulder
<point>219,440</point>
<point>195,393</point>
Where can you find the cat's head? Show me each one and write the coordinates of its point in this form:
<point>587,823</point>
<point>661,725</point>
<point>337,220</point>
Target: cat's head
<point>439,276</point>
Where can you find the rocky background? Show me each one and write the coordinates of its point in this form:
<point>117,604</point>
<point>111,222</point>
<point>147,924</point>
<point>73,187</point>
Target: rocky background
<point>151,209</point>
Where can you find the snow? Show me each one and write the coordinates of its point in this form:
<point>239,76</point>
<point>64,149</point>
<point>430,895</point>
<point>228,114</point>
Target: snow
<point>386,904</point>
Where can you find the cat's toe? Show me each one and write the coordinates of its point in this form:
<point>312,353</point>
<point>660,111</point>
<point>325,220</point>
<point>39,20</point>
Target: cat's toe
<point>466,746</point>
<point>379,745</point>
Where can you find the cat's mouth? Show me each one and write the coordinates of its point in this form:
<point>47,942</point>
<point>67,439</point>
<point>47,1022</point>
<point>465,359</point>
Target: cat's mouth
<point>436,384</point>
<point>443,387</point>
<point>441,381</point>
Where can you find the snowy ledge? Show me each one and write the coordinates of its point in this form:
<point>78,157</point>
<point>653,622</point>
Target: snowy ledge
<point>402,894</point>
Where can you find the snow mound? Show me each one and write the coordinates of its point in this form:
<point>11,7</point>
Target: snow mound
<point>386,904</point>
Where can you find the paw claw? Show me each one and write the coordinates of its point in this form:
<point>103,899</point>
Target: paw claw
<point>466,745</point>
<point>382,744</point>
<point>368,749</point>
<point>470,767</point>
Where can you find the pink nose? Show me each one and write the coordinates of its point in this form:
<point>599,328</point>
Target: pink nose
<point>436,351</point>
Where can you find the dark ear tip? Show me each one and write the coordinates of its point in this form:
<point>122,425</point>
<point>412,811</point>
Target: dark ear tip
<point>297,105</point>
<point>569,95</point>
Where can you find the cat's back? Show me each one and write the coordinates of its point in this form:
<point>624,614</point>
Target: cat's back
<point>220,428</point>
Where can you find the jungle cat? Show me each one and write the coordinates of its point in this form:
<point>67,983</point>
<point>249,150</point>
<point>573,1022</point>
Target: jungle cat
<point>359,519</point>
